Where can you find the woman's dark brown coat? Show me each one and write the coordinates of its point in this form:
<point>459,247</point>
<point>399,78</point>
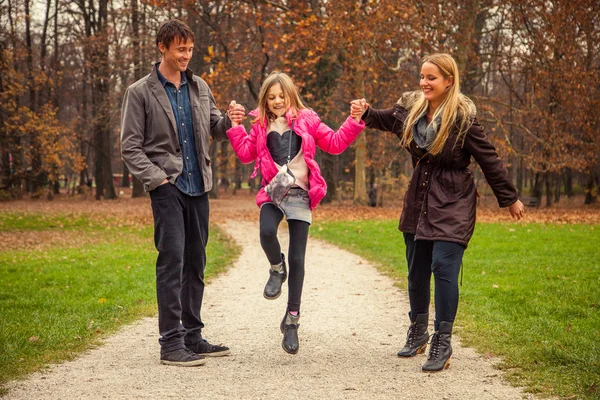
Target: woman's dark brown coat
<point>440,201</point>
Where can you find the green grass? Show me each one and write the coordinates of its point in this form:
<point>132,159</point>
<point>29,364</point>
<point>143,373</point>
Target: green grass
<point>530,294</point>
<point>23,221</point>
<point>56,302</point>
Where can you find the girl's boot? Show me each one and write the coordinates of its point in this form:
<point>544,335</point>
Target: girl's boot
<point>277,275</point>
<point>289,328</point>
<point>440,349</point>
<point>417,336</point>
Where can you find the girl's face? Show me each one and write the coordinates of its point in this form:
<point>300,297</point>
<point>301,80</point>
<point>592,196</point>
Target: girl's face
<point>277,103</point>
<point>434,85</point>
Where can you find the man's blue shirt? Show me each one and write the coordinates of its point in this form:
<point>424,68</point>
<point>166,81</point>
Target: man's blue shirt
<point>190,181</point>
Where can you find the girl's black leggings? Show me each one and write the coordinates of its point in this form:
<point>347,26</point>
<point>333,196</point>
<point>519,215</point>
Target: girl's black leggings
<point>270,217</point>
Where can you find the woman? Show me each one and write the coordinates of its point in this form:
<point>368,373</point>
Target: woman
<point>439,129</point>
<point>286,133</point>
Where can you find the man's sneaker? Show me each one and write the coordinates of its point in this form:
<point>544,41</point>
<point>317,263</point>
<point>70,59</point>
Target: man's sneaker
<point>203,348</point>
<point>183,358</point>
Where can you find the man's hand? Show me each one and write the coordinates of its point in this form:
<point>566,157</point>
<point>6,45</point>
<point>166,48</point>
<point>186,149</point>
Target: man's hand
<point>236,113</point>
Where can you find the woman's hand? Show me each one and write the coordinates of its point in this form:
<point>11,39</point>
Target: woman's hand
<point>517,210</point>
<point>236,113</point>
<point>358,108</point>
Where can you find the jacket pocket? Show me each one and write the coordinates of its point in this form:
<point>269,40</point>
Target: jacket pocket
<point>446,185</point>
<point>439,194</point>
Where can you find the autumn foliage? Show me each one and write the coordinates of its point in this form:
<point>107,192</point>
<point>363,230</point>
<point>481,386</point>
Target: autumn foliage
<point>533,69</point>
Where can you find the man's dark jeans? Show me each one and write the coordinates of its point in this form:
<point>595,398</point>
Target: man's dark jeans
<point>180,236</point>
<point>443,259</point>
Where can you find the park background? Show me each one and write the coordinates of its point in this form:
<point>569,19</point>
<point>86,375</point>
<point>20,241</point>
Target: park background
<point>532,68</point>
<point>74,269</point>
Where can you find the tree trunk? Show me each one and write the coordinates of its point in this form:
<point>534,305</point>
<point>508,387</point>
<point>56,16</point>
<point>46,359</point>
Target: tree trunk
<point>100,107</point>
<point>223,164</point>
<point>125,178</point>
<point>360,188</point>
<point>568,179</point>
<point>469,35</point>
<point>237,177</point>
<point>556,177</point>
<point>55,63</point>
<point>138,186</point>
<point>328,170</point>
<point>36,176</point>
<point>15,182</point>
<point>548,184</point>
<point>360,147</point>
<point>4,142</point>
<point>591,191</point>
<point>536,190</point>
<point>85,184</point>
<point>520,172</point>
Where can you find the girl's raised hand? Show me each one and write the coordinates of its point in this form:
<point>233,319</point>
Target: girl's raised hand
<point>358,108</point>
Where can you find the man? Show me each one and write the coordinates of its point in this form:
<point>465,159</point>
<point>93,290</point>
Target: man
<point>167,118</point>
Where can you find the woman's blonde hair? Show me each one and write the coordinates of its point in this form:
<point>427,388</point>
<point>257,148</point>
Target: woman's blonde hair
<point>456,109</point>
<point>290,93</point>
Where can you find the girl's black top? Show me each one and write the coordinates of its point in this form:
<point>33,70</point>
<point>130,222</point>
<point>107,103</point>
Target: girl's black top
<point>279,145</point>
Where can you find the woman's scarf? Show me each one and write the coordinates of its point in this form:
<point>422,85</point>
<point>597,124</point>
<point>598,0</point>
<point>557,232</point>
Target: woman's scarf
<point>424,134</point>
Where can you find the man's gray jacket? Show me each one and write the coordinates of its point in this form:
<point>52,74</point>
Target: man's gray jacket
<point>149,142</point>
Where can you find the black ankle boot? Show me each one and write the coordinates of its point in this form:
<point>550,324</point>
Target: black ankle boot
<point>417,336</point>
<point>289,328</point>
<point>277,275</point>
<point>440,349</point>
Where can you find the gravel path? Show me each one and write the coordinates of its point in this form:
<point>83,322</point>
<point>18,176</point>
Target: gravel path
<point>353,322</point>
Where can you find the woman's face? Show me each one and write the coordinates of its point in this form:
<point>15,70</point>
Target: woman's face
<point>434,85</point>
<point>276,100</point>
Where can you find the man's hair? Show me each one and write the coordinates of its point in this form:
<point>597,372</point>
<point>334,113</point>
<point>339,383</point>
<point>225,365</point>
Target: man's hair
<point>174,30</point>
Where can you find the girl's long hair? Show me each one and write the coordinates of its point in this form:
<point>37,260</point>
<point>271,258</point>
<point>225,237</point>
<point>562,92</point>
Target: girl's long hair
<point>456,109</point>
<point>290,92</point>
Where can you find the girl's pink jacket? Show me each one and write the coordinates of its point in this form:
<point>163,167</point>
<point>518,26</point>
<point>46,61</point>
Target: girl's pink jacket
<point>313,133</point>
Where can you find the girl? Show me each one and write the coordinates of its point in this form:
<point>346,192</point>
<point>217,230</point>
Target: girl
<point>285,131</point>
<point>439,129</point>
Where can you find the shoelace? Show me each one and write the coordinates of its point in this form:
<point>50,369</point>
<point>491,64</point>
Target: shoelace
<point>434,349</point>
<point>411,335</point>
<point>211,346</point>
<point>190,353</point>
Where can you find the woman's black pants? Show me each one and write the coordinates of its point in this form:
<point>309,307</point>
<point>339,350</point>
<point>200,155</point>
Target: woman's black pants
<point>270,217</point>
<point>443,259</point>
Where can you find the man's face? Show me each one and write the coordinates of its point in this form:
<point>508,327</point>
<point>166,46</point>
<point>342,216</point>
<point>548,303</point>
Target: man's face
<point>178,55</point>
